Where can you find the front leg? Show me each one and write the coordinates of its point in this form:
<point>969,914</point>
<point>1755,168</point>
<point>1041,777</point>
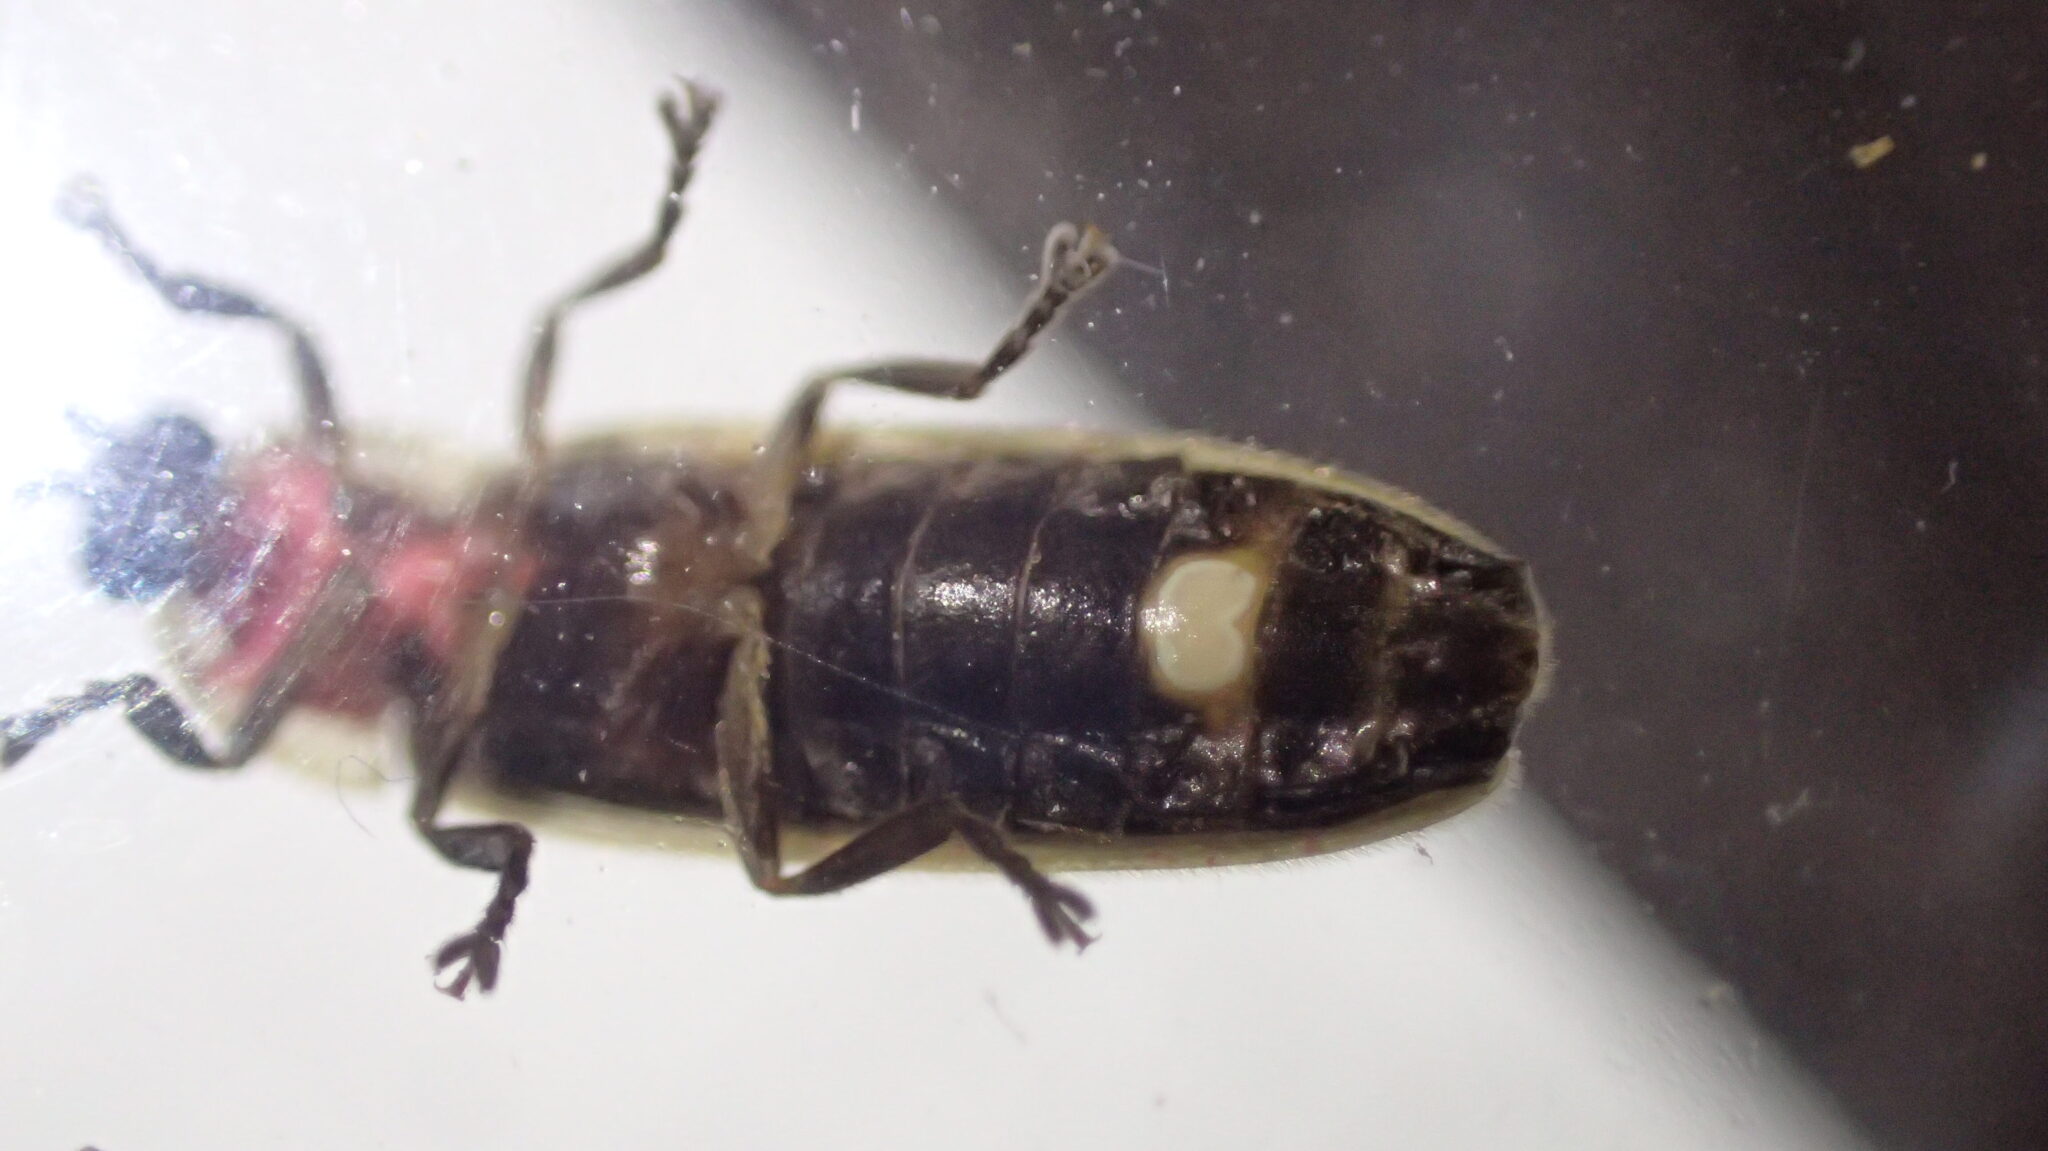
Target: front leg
<point>753,812</point>
<point>159,718</point>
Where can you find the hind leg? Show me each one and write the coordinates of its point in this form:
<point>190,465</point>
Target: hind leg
<point>1075,260</point>
<point>753,814</point>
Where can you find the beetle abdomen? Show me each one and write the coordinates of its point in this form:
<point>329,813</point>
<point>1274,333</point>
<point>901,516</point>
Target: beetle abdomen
<point>969,629</point>
<point>1133,646</point>
<point>1065,640</point>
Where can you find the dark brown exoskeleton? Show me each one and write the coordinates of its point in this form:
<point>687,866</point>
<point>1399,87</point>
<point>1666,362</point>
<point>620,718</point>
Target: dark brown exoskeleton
<point>915,639</point>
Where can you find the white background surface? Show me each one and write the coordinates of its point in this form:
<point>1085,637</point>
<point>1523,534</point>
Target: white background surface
<point>240,962</point>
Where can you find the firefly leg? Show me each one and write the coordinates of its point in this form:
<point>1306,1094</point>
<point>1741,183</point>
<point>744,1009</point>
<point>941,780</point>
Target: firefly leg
<point>161,720</point>
<point>1075,260</point>
<point>84,205</point>
<point>152,713</point>
<point>446,712</point>
<point>501,848</point>
<point>687,122</point>
<point>751,808</point>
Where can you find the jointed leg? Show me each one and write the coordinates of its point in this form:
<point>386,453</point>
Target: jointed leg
<point>443,736</point>
<point>687,122</point>
<point>748,789</point>
<point>501,848</point>
<point>1075,260</point>
<point>151,711</point>
<point>159,718</point>
<point>1060,909</point>
<point>84,206</point>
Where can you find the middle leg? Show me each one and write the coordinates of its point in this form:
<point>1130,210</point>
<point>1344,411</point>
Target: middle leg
<point>687,123</point>
<point>503,849</point>
<point>443,736</point>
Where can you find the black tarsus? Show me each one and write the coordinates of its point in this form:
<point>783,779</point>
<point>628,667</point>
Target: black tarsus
<point>1061,909</point>
<point>84,205</point>
<point>441,743</point>
<point>923,827</point>
<point>502,848</point>
<point>687,123</point>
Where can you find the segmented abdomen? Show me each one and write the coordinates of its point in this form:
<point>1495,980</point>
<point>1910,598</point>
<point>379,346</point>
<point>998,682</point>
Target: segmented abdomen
<point>964,629</point>
<point>978,628</point>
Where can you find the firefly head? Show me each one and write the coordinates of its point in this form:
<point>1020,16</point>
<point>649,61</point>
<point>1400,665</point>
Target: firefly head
<point>152,496</point>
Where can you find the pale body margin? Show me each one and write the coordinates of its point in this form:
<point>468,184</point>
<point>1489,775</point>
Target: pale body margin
<point>450,481</point>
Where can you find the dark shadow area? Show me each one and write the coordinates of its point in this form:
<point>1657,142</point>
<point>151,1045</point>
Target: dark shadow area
<point>1769,423</point>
